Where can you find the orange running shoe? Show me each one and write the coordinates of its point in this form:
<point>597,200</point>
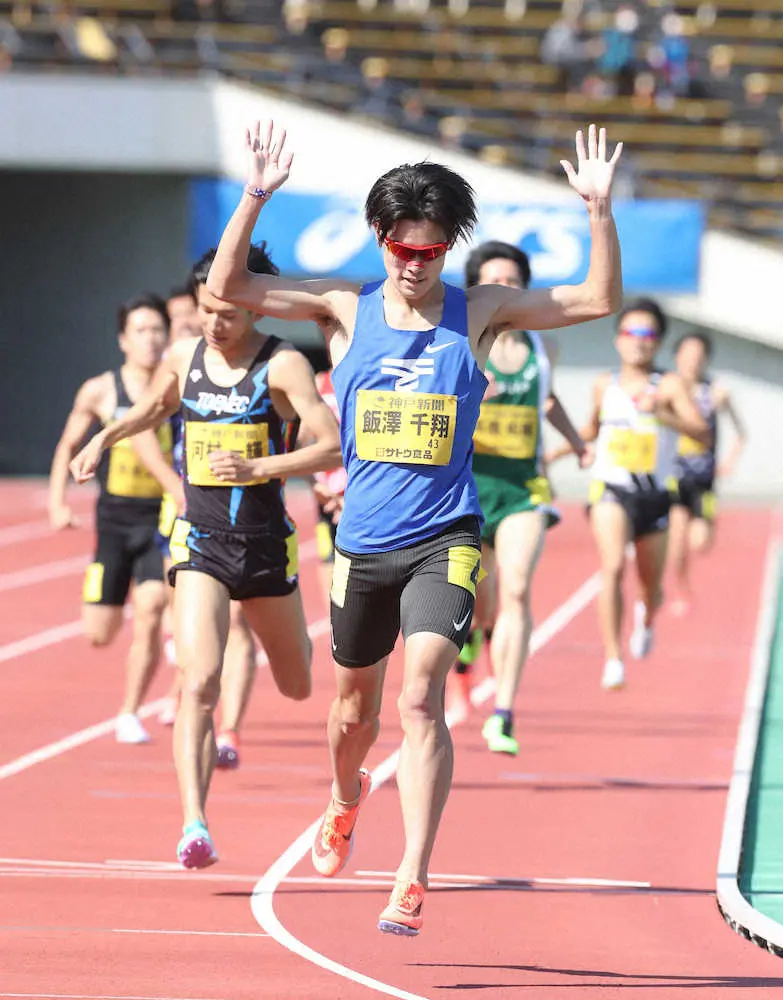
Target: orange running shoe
<point>334,840</point>
<point>403,914</point>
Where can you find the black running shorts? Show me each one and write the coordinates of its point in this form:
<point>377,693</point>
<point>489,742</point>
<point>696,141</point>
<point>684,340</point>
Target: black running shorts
<point>426,587</point>
<point>261,564</point>
<point>123,554</point>
<point>647,510</point>
<point>697,497</point>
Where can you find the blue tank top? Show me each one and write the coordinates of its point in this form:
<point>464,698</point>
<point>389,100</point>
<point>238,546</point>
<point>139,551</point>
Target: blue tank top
<point>409,401</point>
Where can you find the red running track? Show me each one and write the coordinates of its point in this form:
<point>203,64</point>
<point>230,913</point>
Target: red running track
<point>584,867</point>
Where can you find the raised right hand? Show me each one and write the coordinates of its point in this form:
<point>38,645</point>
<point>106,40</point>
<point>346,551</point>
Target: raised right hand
<point>268,165</point>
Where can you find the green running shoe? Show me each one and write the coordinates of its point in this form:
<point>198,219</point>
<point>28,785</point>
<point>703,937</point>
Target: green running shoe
<point>470,651</point>
<point>497,740</point>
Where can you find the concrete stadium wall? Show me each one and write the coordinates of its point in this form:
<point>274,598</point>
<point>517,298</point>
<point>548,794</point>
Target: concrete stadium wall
<point>74,247</point>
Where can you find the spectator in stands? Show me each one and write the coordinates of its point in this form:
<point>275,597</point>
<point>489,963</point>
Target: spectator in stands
<point>670,58</point>
<point>414,117</point>
<point>563,46</point>
<point>617,61</point>
<point>452,129</point>
<point>334,42</point>
<point>378,99</point>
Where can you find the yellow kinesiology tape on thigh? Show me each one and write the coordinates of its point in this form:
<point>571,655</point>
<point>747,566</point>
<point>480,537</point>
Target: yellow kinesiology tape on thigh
<point>342,567</point>
<point>464,565</point>
<point>92,591</point>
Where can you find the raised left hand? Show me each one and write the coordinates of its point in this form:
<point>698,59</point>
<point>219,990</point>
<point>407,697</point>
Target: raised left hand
<point>231,467</point>
<point>593,176</point>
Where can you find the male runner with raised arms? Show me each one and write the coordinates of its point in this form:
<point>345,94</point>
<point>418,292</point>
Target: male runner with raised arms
<point>237,389</point>
<point>127,509</point>
<point>407,356</point>
<point>513,489</point>
<point>694,507</point>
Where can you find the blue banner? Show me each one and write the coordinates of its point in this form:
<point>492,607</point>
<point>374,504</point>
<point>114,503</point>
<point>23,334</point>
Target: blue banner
<point>319,235</point>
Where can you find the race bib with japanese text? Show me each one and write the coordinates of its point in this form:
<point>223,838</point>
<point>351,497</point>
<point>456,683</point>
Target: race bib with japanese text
<point>507,431</point>
<point>405,427</point>
<point>251,441</point>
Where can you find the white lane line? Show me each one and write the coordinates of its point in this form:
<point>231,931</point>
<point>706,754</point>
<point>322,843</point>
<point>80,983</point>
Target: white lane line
<point>59,747</point>
<point>43,573</point>
<point>737,911</point>
<point>163,931</point>
<point>40,640</point>
<point>232,934</point>
<point>262,899</point>
<point>98,996</point>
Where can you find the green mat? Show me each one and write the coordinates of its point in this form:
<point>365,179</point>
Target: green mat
<point>761,870</point>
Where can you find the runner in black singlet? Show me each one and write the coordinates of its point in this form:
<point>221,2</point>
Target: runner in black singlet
<point>127,509</point>
<point>238,390</point>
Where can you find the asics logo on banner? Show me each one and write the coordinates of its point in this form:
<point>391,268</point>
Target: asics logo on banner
<point>408,371</point>
<point>221,402</point>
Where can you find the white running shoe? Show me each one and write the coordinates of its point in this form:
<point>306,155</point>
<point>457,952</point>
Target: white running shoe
<point>641,640</point>
<point>130,730</point>
<point>614,675</point>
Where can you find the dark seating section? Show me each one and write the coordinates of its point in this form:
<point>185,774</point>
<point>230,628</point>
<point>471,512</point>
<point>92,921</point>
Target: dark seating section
<point>695,88</point>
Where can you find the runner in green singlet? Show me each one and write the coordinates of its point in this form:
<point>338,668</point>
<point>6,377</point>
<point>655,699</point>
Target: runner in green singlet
<point>514,492</point>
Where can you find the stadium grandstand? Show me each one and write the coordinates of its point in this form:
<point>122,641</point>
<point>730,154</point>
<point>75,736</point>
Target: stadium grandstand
<point>695,87</point>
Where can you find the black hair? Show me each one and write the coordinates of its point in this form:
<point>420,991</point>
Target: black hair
<point>418,191</point>
<point>258,261</point>
<point>703,338</point>
<point>496,250</point>
<point>646,306</point>
<point>146,300</point>
<point>180,292</point>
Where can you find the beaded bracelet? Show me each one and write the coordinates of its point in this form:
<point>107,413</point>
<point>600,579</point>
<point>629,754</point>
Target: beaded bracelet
<point>259,193</point>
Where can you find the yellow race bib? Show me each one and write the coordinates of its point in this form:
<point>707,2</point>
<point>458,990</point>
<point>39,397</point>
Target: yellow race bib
<point>507,431</point>
<point>634,451</point>
<point>687,446</point>
<point>405,427</point>
<point>204,437</point>
<point>128,476</point>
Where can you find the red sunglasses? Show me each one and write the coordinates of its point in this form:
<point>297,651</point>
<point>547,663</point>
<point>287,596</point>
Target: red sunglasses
<point>409,252</point>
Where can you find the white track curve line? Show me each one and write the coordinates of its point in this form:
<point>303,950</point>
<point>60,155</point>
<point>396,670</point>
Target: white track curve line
<point>262,897</point>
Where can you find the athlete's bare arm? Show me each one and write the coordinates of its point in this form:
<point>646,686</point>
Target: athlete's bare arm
<point>147,447</point>
<point>88,406</point>
<point>724,404</point>
<point>158,402</point>
<point>674,407</point>
<point>495,308</point>
<point>294,394</point>
<point>556,413</point>
<point>329,303</point>
<point>589,431</point>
